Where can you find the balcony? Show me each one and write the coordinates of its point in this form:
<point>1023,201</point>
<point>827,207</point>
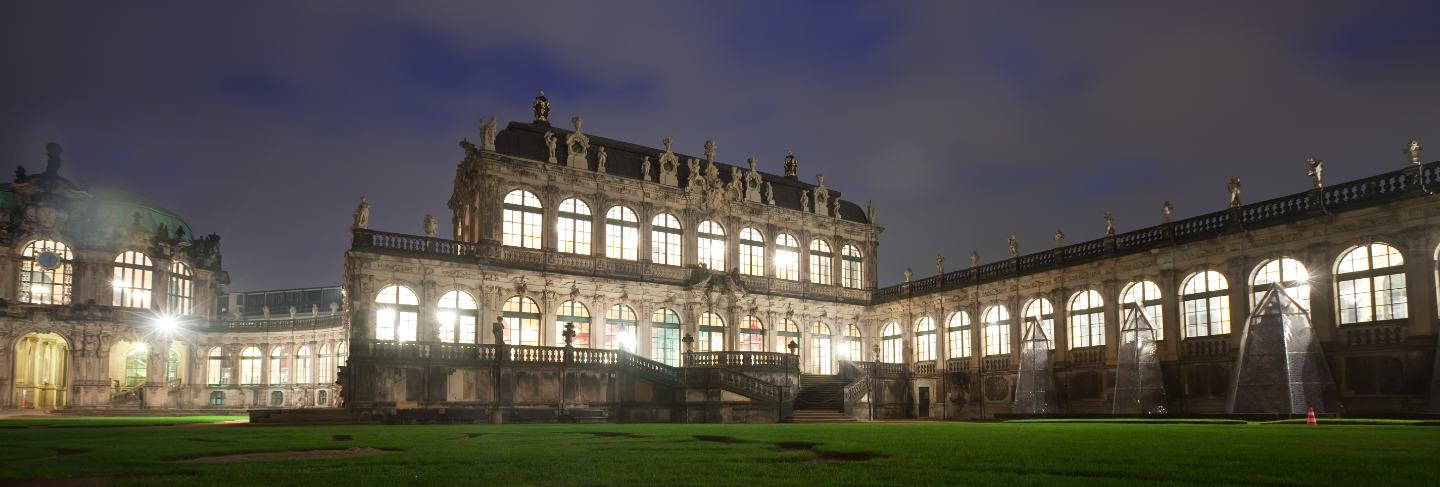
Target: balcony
<point>1210,346</point>
<point>1088,356</point>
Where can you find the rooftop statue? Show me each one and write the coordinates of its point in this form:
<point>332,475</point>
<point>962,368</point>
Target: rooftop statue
<point>939,265</point>
<point>600,159</point>
<point>1109,225</point>
<point>1412,151</point>
<point>1166,211</point>
<point>1316,172</point>
<point>870,211</point>
<point>710,151</point>
<point>430,225</point>
<point>541,108</point>
<point>791,167</point>
<point>644,168</point>
<point>908,274</point>
<point>1234,192</point>
<point>1014,247</point>
<point>769,194</point>
<point>362,215</point>
<point>1059,238</point>
<point>974,258</point>
<point>550,145</point>
<point>805,200</point>
<point>487,134</point>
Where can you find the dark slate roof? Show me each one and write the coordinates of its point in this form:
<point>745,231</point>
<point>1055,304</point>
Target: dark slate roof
<point>527,140</point>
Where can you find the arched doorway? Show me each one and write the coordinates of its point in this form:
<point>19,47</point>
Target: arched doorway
<point>41,366</point>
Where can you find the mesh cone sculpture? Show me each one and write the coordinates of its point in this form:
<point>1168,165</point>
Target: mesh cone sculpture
<point>1139,385</point>
<point>1035,384</point>
<point>1280,368</point>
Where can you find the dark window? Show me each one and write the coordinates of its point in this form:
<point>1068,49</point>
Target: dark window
<point>277,398</point>
<point>1374,375</point>
<point>217,398</point>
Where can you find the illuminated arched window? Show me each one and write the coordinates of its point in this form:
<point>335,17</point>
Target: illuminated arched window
<point>46,270</point>
<point>279,367</point>
<point>215,372</point>
<point>458,316</point>
<point>787,257</point>
<point>850,265</point>
<point>1041,309</point>
<point>1147,295</point>
<point>851,348</point>
<point>925,339</point>
<point>1370,284</point>
<point>1087,319</point>
<point>522,216</point>
<point>787,331</point>
<point>1204,304</point>
<point>575,313</point>
<point>996,321</point>
<point>957,329</point>
<point>303,365</point>
<point>752,334</point>
<point>820,349</point>
<point>250,366</point>
<point>712,333</point>
<point>325,366</point>
<point>622,234</point>
<point>522,321</point>
<point>574,227</point>
<point>665,336</point>
<point>133,274</point>
<point>620,323</point>
<point>710,240</point>
<point>136,361</point>
<point>820,258</point>
<point>891,347</point>
<point>182,288</point>
<point>1289,273</point>
<point>172,366</point>
<point>752,252</point>
<point>665,239</point>
<point>397,313</point>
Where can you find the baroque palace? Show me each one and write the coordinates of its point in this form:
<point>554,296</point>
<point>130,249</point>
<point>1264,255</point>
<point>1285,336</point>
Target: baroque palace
<point>594,279</point>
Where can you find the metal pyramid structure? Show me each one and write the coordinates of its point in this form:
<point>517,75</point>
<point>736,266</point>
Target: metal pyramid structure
<point>1035,386</point>
<point>1280,368</point>
<point>1139,384</point>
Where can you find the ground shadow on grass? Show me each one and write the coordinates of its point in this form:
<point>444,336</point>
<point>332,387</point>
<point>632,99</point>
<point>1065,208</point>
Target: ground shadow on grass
<point>287,455</point>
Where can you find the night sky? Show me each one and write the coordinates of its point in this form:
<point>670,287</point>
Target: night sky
<point>266,122</point>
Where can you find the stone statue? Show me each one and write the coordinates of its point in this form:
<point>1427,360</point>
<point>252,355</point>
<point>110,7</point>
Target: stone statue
<point>577,146</point>
<point>835,208</point>
<point>1014,247</point>
<point>752,182</point>
<point>1412,151</point>
<point>820,179</point>
<point>644,168</point>
<point>870,211</point>
<point>292,312</point>
<point>487,134</point>
<point>697,180</point>
<point>541,108</point>
<point>737,185</point>
<point>362,215</point>
<point>430,225</point>
<point>1109,225</point>
<point>550,145</point>
<point>908,274</point>
<point>1316,172</point>
<point>974,258</point>
<point>1166,211</point>
<point>805,200</point>
<point>1059,238</point>
<point>52,158</point>
<point>334,308</point>
<point>710,151</point>
<point>314,310</point>
<point>265,312</point>
<point>791,167</point>
<point>600,160</point>
<point>669,163</point>
<point>468,147</point>
<point>939,265</point>
<point>1234,192</point>
<point>769,194</point>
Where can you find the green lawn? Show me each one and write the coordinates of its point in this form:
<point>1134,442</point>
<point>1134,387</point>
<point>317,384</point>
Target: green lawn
<point>917,453</point>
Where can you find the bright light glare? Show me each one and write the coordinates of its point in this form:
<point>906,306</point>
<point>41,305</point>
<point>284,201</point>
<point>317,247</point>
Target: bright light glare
<point>165,323</point>
<point>626,341</point>
<point>118,282</point>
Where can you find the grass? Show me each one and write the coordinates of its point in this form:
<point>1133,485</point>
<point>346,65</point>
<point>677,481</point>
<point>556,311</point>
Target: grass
<point>110,421</point>
<point>929,453</point>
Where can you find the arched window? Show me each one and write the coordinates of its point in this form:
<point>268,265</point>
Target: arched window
<point>820,349</point>
<point>172,366</point>
<point>279,367</point>
<point>850,264</point>
<point>891,348</point>
<point>1370,284</point>
<point>925,339</point>
<point>133,275</point>
<point>620,325</point>
<point>787,257</point>
<point>820,258</point>
<point>1205,305</point>
<point>574,226</point>
<point>665,240</point>
<point>622,234</point>
<point>785,333</point>
<point>522,216</point>
<point>135,365</point>
<point>712,333</point>
<point>957,328</point>
<point>324,368</point>
<point>215,372</point>
<point>711,245</point>
<point>322,398</point>
<point>1087,319</point>
<point>250,366</point>
<point>396,314</point>
<point>1147,295</point>
<point>752,252</point>
<point>852,349</point>
<point>997,330</point>
<point>46,270</point>
<point>1041,310</point>
<point>522,321</point>
<point>458,316</point>
<point>277,398</point>
<point>1289,273</point>
<point>342,352</point>
<point>304,368</point>
<point>182,288</point>
<point>752,335</point>
<point>577,314</point>
<point>665,336</point>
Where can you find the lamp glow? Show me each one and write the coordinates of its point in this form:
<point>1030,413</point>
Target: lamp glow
<point>165,324</point>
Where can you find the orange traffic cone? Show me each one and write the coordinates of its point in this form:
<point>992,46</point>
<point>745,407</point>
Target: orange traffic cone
<point>1310,416</point>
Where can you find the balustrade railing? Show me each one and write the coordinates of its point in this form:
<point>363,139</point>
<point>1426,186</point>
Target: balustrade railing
<point>1088,355</point>
<point>309,323</point>
<point>925,369</point>
<point>772,360</point>
<point>957,365</point>
<point>1206,346</point>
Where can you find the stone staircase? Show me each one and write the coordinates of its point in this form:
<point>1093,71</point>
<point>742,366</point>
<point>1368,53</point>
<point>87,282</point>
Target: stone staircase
<point>821,400</point>
<point>819,416</point>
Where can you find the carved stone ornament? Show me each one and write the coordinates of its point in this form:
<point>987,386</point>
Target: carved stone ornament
<point>769,194</point>
<point>805,200</point>
<point>791,167</point>
<point>752,182</point>
<point>430,225</point>
<point>974,258</point>
<point>1412,152</point>
<point>541,107</point>
<point>669,165</point>
<point>1234,188</point>
<point>600,159</point>
<point>1059,238</point>
<point>577,146</point>
<point>1014,247</point>
<point>710,151</point>
<point>550,145</point>
<point>1109,225</point>
<point>487,134</point>
<point>1166,211</point>
<point>696,181</point>
<point>362,215</point>
<point>1316,171</point>
<point>645,169</point>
